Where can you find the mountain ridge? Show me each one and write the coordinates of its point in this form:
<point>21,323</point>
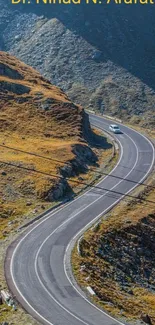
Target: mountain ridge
<point>104,64</point>
<point>45,139</point>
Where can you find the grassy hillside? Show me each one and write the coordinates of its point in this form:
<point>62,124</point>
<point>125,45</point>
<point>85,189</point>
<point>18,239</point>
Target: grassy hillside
<point>119,259</point>
<point>46,148</point>
<point>43,132</point>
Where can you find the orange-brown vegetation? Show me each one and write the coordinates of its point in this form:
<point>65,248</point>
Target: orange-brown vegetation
<point>38,118</point>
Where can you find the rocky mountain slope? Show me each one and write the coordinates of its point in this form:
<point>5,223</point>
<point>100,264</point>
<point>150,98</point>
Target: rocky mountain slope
<point>118,260</point>
<point>105,64</point>
<point>25,92</point>
<point>44,139</point>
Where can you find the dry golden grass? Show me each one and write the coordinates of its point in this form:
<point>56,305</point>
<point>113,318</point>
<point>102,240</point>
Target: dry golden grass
<point>18,186</point>
<point>29,77</point>
<point>43,122</point>
<point>50,131</point>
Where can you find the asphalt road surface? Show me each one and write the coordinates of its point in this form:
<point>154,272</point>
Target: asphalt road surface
<point>36,265</point>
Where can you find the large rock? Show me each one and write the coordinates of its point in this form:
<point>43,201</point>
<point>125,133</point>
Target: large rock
<point>6,71</point>
<point>15,88</point>
<point>146,318</point>
<point>59,191</point>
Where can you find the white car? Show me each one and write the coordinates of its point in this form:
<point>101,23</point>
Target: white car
<point>114,128</point>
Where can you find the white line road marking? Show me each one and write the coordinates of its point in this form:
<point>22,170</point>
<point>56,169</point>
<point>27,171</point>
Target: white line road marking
<point>49,215</point>
<point>145,151</point>
<point>66,221</point>
<point>88,225</point>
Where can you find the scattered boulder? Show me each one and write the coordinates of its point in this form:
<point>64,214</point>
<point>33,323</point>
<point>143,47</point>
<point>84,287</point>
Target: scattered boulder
<point>17,38</point>
<point>5,296</point>
<point>146,318</point>
<point>10,223</point>
<point>3,173</point>
<point>67,171</point>
<point>28,204</point>
<point>96,55</point>
<point>60,190</point>
<point>46,104</point>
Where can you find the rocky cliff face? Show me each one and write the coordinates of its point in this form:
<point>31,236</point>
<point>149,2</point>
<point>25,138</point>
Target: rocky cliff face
<point>46,143</point>
<point>39,122</point>
<point>102,56</point>
<point>117,260</point>
<point>131,254</point>
<point>128,255</point>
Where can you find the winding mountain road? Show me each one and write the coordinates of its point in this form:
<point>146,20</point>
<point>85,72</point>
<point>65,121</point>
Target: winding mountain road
<point>37,267</point>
